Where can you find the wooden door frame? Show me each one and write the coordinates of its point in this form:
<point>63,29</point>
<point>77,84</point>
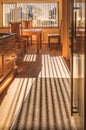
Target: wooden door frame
<point>85,75</point>
<point>84,65</point>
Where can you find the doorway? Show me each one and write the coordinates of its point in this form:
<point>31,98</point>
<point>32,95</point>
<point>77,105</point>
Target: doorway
<point>78,54</point>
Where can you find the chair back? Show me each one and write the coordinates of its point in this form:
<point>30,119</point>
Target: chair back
<point>15,27</point>
<point>60,27</point>
<point>27,24</point>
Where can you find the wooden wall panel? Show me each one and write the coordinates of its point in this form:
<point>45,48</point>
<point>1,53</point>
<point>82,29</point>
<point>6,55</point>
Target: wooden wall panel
<point>66,24</point>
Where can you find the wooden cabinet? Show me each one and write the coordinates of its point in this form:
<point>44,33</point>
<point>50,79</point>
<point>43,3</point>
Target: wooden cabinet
<point>7,59</point>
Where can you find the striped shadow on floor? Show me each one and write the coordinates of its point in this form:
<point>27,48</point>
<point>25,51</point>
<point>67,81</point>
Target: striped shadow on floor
<point>43,101</point>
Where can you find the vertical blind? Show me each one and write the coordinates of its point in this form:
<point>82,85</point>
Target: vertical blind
<point>41,14</point>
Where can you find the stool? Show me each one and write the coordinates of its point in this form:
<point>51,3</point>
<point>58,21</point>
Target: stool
<point>53,36</point>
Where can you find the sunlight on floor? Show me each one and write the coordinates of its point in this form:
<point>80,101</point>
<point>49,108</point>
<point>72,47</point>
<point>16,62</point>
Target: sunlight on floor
<point>52,66</point>
<point>31,57</point>
<point>53,73</point>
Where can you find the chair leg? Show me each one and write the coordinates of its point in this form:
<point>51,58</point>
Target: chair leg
<point>25,47</point>
<point>49,42</point>
<point>40,41</point>
<point>59,40</point>
<point>31,39</point>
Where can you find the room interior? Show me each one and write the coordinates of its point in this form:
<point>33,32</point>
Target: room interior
<point>42,64</point>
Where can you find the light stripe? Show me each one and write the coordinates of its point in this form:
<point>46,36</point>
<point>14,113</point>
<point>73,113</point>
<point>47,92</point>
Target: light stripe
<point>54,67</point>
<point>57,68</point>
<point>64,68</point>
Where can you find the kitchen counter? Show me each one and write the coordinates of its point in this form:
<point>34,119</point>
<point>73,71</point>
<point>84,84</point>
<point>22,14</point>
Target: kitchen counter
<point>7,59</point>
<point>6,35</point>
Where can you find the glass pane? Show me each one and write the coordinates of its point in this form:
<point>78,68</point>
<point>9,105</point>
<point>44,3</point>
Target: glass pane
<point>78,59</point>
<point>41,14</point>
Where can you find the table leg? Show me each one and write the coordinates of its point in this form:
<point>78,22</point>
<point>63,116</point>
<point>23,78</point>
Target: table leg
<point>38,42</point>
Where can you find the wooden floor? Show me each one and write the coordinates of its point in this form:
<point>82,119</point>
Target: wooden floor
<point>39,96</point>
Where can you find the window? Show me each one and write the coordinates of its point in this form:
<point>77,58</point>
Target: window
<point>79,8</point>
<point>41,14</point>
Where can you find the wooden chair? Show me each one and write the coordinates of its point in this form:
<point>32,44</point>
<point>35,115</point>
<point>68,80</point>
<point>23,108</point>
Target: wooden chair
<point>21,41</point>
<point>27,24</point>
<point>56,36</point>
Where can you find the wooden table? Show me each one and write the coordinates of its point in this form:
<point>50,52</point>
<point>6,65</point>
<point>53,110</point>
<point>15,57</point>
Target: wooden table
<point>36,32</point>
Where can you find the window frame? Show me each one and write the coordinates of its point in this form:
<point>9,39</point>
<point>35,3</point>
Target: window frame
<point>37,3</point>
